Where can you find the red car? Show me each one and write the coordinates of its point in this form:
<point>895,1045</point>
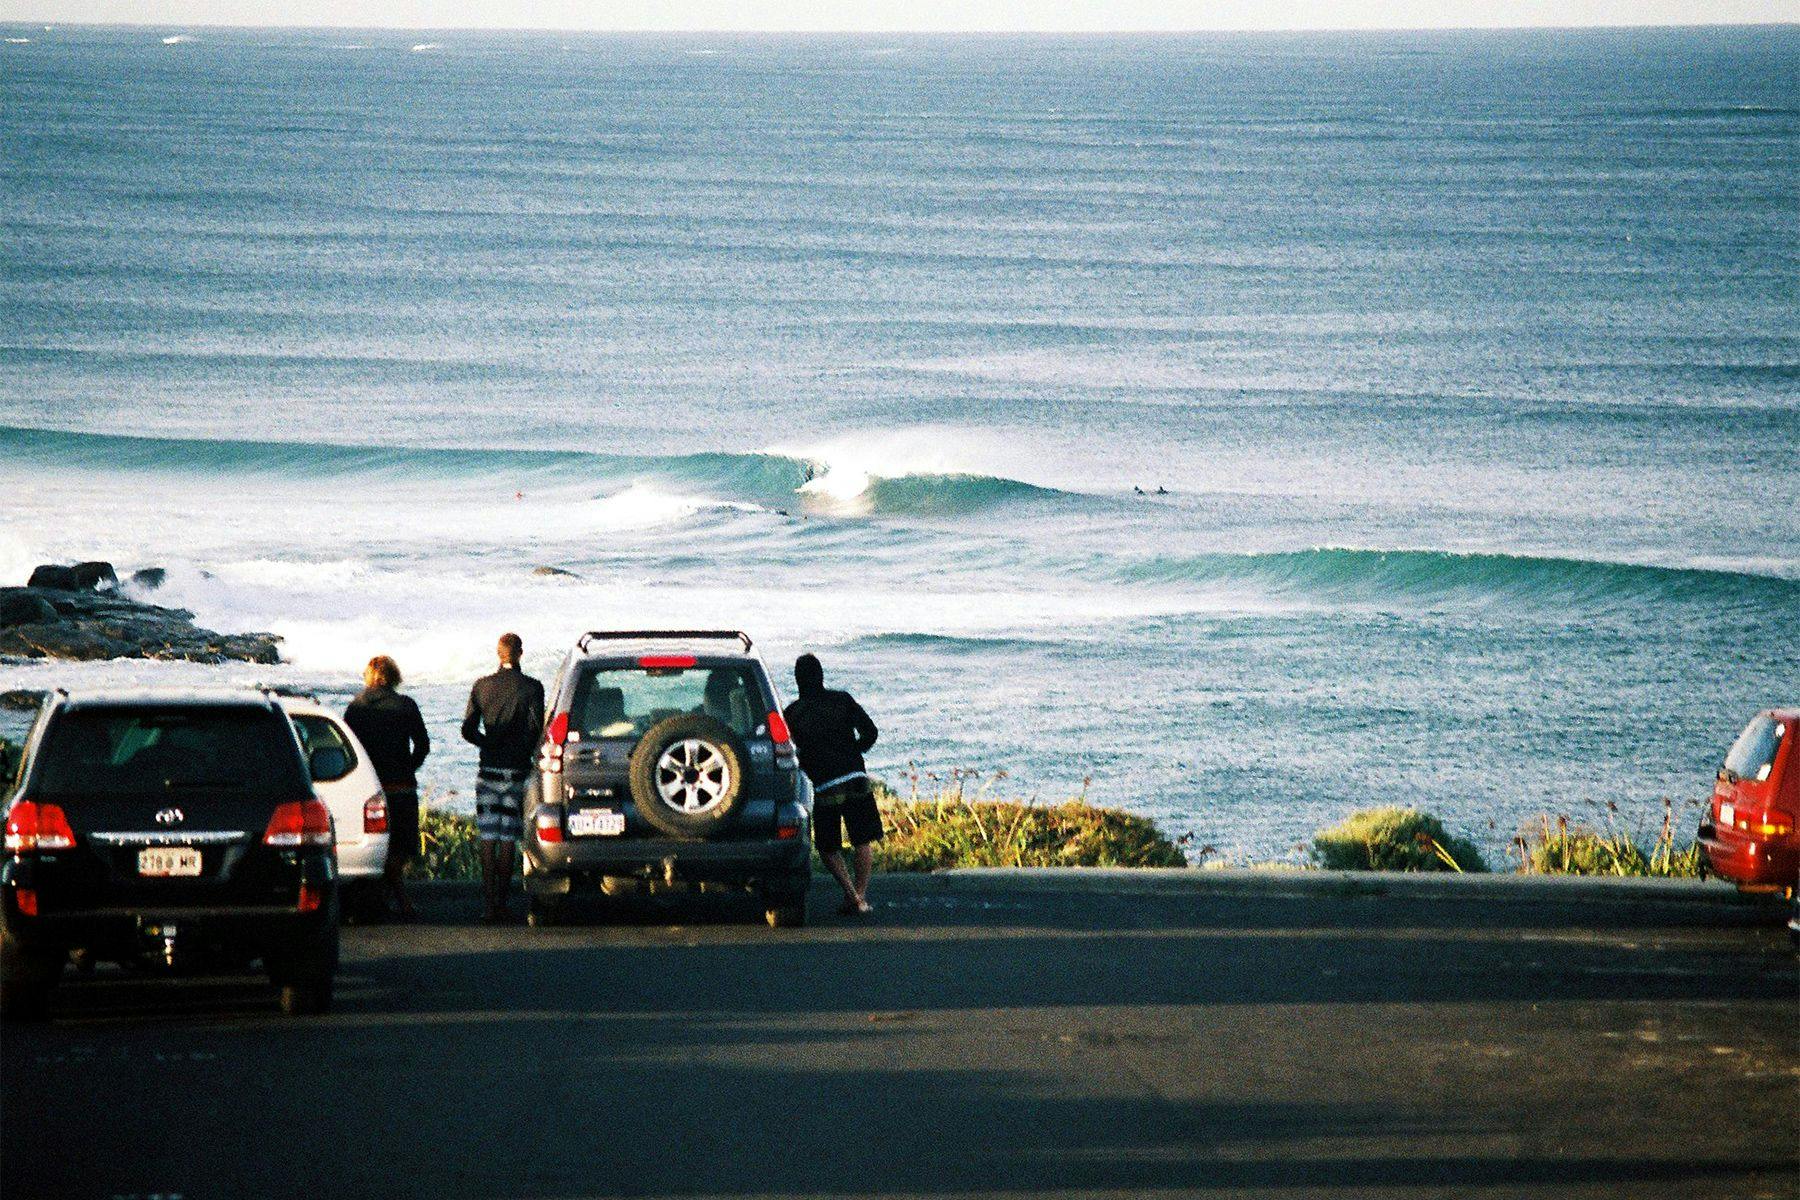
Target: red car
<point>1749,833</point>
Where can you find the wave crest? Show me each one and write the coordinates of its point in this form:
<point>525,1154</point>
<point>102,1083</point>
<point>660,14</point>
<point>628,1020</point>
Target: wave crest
<point>1371,576</point>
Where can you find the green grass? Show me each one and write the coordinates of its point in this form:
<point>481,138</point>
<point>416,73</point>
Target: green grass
<point>447,846</point>
<point>945,825</point>
<point>1557,846</point>
<point>1393,839</point>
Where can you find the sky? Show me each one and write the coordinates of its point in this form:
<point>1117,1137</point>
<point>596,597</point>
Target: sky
<point>902,15</point>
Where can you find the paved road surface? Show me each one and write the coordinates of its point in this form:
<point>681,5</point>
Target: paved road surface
<point>988,1042</point>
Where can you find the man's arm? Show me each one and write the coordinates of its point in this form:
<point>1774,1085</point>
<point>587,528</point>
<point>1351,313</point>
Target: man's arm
<point>471,729</point>
<point>421,738</point>
<point>863,727</point>
<point>537,707</point>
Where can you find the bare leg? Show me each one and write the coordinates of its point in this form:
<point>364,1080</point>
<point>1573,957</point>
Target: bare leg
<point>865,867</point>
<point>834,862</point>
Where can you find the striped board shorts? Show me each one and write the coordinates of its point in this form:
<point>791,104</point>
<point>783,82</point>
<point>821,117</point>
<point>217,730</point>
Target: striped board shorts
<point>499,804</point>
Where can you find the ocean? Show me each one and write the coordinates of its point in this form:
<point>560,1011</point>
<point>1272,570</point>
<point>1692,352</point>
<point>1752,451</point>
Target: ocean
<point>1237,429</point>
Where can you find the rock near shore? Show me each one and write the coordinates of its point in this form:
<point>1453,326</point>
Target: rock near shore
<point>77,613</point>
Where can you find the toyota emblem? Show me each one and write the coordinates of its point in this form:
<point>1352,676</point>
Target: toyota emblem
<point>170,816</point>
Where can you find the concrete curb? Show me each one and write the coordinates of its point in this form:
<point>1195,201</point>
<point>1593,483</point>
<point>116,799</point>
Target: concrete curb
<point>1130,881</point>
<point>1286,884</point>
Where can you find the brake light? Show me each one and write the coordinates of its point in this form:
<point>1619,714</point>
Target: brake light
<point>548,823</point>
<point>667,662</point>
<point>299,823</point>
<point>27,901</point>
<point>375,815</point>
<point>555,735</point>
<point>34,826</point>
<point>787,833</point>
<point>784,741</point>
<point>312,897</point>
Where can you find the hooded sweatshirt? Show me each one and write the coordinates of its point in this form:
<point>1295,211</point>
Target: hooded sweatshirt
<point>831,731</point>
<point>391,730</point>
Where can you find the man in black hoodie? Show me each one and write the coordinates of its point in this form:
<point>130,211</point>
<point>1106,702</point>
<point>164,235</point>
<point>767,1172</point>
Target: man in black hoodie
<point>505,718</point>
<point>831,734</point>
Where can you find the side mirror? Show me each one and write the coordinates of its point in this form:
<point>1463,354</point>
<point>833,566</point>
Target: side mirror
<point>328,762</point>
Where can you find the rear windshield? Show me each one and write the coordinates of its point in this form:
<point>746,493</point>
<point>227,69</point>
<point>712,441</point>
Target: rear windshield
<point>143,750</point>
<point>1752,756</point>
<point>623,702</point>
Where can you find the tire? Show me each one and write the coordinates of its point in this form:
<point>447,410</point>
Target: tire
<point>303,966</point>
<point>309,999</point>
<point>27,979</point>
<point>543,911</point>
<point>786,909</point>
<point>688,774</point>
<point>786,916</point>
<point>364,902</point>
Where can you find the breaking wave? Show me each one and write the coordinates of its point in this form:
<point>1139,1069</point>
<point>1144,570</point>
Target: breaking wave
<point>821,482</point>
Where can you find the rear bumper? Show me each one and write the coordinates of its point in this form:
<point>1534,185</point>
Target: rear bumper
<point>1748,862</point>
<point>552,866</point>
<point>366,859</point>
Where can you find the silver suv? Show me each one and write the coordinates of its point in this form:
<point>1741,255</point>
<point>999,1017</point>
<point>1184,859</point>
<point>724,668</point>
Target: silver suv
<point>666,763</point>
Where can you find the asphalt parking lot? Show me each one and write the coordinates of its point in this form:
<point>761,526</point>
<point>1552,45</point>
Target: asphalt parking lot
<point>977,1041</point>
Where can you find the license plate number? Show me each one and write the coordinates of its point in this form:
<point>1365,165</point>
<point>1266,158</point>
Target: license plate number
<point>158,861</point>
<point>596,822</point>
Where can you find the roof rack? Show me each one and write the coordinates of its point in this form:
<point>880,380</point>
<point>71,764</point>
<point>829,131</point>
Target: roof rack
<point>643,635</point>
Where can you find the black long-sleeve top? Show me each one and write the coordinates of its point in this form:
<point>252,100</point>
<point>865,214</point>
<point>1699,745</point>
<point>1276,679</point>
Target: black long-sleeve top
<point>390,728</point>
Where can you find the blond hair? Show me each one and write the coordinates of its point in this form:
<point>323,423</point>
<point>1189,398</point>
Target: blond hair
<point>382,671</point>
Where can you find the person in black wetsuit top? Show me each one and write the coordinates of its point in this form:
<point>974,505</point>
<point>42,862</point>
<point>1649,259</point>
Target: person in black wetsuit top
<point>390,728</point>
<point>831,734</point>
<point>505,718</point>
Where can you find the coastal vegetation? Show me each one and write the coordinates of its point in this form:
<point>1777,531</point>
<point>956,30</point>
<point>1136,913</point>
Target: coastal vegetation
<point>942,824</point>
<point>1394,839</point>
<point>1561,847</point>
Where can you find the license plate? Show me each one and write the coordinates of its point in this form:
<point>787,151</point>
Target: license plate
<point>596,822</point>
<point>157,861</point>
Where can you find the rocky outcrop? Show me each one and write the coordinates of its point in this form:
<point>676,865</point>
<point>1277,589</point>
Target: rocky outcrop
<point>76,612</point>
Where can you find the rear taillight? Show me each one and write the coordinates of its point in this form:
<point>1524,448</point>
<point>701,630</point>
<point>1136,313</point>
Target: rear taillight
<point>784,741</point>
<point>556,734</point>
<point>1773,823</point>
<point>34,826</point>
<point>299,823</point>
<point>312,897</point>
<point>787,833</point>
<point>667,662</point>
<point>26,899</point>
<point>375,814</point>
<point>549,824</point>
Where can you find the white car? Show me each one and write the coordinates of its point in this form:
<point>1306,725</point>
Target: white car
<point>358,805</point>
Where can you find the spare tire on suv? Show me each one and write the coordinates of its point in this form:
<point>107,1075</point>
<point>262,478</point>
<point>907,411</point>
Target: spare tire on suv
<point>687,775</point>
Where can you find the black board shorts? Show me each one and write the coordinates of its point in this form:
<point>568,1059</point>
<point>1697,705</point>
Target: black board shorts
<point>848,808</point>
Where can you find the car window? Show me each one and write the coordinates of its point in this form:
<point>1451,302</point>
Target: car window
<point>152,750</point>
<point>323,733</point>
<point>1752,756</point>
<point>621,702</point>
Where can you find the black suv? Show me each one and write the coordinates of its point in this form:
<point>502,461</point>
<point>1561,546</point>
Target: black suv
<point>163,831</point>
<point>666,763</point>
